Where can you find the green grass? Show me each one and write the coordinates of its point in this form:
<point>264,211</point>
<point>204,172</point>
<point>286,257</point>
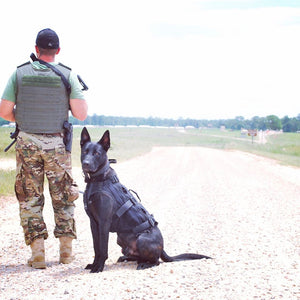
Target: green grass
<point>5,140</point>
<point>127,142</point>
<point>284,148</point>
<point>7,178</point>
<point>7,181</point>
<point>130,142</point>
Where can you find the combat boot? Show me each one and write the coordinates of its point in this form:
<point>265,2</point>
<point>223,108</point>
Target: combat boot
<point>65,250</point>
<point>37,259</point>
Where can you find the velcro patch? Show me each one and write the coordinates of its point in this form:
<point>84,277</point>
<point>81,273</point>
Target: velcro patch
<point>42,81</point>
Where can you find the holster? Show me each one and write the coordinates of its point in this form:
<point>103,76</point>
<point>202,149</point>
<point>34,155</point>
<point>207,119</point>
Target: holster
<point>13,135</point>
<point>68,135</point>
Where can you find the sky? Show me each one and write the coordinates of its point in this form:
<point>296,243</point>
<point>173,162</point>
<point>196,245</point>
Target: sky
<point>203,59</point>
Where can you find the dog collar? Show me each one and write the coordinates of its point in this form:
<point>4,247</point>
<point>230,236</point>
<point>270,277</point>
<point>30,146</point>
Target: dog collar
<point>99,175</point>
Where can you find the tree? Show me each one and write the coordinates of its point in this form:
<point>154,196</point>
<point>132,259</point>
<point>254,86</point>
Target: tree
<point>273,122</point>
<point>255,123</point>
<point>290,124</point>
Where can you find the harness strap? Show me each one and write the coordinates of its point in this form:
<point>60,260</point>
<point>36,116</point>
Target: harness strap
<point>147,224</point>
<point>121,211</point>
<point>114,179</point>
<point>150,222</point>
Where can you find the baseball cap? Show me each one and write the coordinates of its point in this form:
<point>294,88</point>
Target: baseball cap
<point>47,39</point>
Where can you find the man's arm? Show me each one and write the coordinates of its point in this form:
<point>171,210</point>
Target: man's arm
<point>77,102</point>
<point>79,109</point>
<point>7,110</point>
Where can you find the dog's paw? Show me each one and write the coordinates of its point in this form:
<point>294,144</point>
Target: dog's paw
<point>146,265</point>
<point>122,258</point>
<point>97,267</point>
<point>89,267</point>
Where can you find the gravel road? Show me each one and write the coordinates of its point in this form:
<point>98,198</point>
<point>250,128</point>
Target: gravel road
<point>241,209</point>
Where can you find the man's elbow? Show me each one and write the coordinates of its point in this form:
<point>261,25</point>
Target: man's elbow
<point>82,113</point>
<point>81,116</point>
<point>7,110</point>
<point>7,116</point>
<point>79,109</point>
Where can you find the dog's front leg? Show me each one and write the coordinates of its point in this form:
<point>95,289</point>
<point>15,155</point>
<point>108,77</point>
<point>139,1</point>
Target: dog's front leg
<point>101,254</point>
<point>101,210</point>
<point>95,234</point>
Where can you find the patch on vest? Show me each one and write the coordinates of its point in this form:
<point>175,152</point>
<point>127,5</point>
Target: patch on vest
<point>41,81</point>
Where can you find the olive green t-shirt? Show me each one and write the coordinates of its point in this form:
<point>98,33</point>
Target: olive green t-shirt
<point>11,86</point>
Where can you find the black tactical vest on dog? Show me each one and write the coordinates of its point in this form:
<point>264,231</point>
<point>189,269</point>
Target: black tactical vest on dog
<point>130,215</point>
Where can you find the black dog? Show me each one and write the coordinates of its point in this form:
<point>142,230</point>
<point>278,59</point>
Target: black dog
<point>113,208</point>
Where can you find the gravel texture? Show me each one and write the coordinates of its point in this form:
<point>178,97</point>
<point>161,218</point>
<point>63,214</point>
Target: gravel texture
<point>241,209</point>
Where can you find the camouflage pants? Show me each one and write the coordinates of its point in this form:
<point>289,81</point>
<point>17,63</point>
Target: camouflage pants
<point>38,155</point>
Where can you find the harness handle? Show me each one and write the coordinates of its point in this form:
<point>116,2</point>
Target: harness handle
<point>132,191</point>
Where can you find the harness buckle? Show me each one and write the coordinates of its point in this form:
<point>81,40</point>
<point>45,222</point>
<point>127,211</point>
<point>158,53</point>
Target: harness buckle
<point>151,221</point>
<point>114,179</point>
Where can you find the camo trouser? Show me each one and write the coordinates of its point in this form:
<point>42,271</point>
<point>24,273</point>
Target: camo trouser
<point>38,155</point>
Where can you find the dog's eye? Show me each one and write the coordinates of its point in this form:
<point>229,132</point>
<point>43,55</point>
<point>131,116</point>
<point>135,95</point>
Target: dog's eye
<point>85,151</point>
<point>96,153</point>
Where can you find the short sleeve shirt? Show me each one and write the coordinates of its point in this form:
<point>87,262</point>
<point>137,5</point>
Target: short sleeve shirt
<point>11,86</point>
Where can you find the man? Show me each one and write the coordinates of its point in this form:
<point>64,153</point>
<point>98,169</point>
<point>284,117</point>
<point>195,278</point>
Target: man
<point>37,100</point>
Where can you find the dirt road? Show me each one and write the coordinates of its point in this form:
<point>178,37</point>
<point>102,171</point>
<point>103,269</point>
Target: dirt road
<point>241,209</point>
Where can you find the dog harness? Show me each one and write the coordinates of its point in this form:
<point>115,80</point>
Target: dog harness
<point>130,215</point>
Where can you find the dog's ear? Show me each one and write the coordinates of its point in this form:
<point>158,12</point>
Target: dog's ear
<point>85,137</point>
<point>105,140</point>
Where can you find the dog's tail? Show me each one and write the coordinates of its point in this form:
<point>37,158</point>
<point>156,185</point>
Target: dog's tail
<point>186,256</point>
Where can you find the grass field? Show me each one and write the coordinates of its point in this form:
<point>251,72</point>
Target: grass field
<point>129,142</point>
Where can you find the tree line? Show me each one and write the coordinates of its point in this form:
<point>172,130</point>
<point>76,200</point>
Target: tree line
<point>271,122</point>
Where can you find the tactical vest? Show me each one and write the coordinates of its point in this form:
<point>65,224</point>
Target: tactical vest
<point>42,103</point>
<point>130,215</point>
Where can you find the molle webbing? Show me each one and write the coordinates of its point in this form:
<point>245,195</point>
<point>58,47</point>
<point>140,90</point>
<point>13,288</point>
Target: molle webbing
<point>130,215</point>
<point>42,100</point>
<point>51,82</point>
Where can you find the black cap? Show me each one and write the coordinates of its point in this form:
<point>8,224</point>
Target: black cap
<point>47,39</point>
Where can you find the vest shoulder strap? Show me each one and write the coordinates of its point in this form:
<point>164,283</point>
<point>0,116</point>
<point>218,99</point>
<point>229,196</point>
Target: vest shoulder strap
<point>60,64</point>
<point>55,70</point>
<point>28,62</point>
